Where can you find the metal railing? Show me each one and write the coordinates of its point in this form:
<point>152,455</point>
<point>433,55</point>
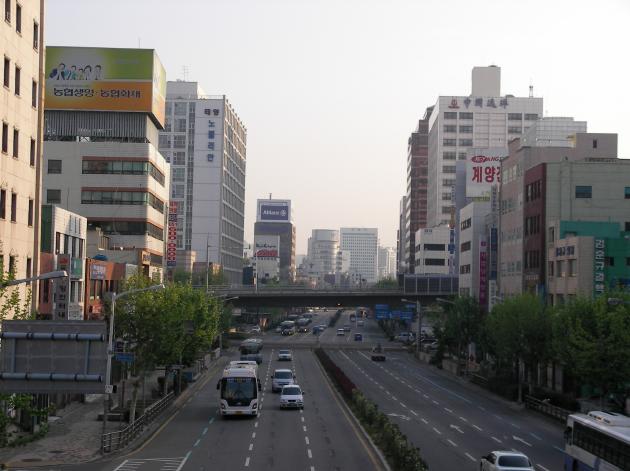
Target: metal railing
<point>544,407</point>
<point>119,439</point>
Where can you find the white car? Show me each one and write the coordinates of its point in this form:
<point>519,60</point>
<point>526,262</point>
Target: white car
<point>292,396</point>
<point>504,461</point>
<point>284,355</point>
<point>341,332</point>
<point>255,329</point>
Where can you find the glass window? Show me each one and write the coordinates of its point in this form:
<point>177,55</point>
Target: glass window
<point>179,142</point>
<point>7,72</point>
<point>180,125</point>
<point>449,155</point>
<point>3,205</point>
<point>179,158</point>
<point>450,115</point>
<point>180,108</point>
<point>16,143</point>
<point>466,129</point>
<point>465,142</point>
<point>34,94</point>
<point>531,116</point>
<point>462,156</point>
<point>53,196</point>
<point>210,145</point>
<point>32,153</point>
<point>465,115</point>
<point>450,128</point>
<point>179,174</point>
<point>583,191</point>
<point>514,130</point>
<point>5,137</point>
<point>13,207</point>
<point>448,169</point>
<point>626,192</point>
<point>210,123</point>
<point>210,157</point>
<point>210,134</point>
<point>17,79</point>
<point>449,142</point>
<point>515,117</point>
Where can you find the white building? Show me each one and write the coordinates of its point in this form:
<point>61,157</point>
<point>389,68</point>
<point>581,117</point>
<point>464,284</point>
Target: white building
<point>473,250</point>
<point>432,254</point>
<point>386,262</point>
<point>483,119</point>
<point>266,259</point>
<point>323,246</point>
<point>21,46</point>
<point>205,142</point>
<point>362,244</point>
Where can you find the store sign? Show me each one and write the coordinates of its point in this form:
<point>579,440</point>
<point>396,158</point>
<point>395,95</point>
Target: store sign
<point>266,247</point>
<point>565,251</point>
<point>171,238</point>
<point>599,264</point>
<point>483,270</point>
<point>483,169</point>
<point>480,102</point>
<point>61,289</point>
<point>97,272</point>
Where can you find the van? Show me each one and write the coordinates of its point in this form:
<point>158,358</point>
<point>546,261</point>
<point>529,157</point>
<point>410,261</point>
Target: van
<point>281,378</point>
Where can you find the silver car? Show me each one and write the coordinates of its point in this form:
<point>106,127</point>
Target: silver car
<point>292,396</point>
<point>281,378</point>
<point>504,461</point>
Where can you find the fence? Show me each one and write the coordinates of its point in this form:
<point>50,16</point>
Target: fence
<point>119,439</point>
<point>543,407</point>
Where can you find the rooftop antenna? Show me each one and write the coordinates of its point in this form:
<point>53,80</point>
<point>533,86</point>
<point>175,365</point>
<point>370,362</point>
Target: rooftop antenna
<point>269,195</point>
<point>531,90</point>
<point>185,72</point>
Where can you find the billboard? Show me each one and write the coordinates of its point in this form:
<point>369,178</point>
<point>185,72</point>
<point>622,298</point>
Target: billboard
<point>266,246</point>
<point>105,79</point>
<point>483,169</point>
<point>274,211</point>
<point>171,239</point>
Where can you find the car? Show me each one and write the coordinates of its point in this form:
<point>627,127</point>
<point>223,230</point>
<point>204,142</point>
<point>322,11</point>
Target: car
<point>377,354</point>
<point>358,337</point>
<point>257,357</point>
<point>322,326</point>
<point>360,323</point>
<point>341,332</point>
<point>303,328</point>
<point>346,328</point>
<point>278,329</point>
<point>255,329</point>
<point>284,355</point>
<point>292,396</point>
<point>405,337</point>
<point>281,378</point>
<point>504,461</point>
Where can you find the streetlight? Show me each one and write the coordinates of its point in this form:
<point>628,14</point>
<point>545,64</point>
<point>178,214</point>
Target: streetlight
<point>419,311</point>
<point>109,388</point>
<point>43,276</point>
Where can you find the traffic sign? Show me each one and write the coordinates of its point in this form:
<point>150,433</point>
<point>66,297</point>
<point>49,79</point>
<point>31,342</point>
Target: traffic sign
<point>126,357</point>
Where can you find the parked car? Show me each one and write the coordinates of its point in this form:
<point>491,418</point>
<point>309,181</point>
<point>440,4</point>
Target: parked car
<point>255,330</point>
<point>292,397</point>
<point>284,355</point>
<point>377,354</point>
<point>358,337</point>
<point>281,378</point>
<point>346,328</point>
<point>504,461</point>
<point>405,337</point>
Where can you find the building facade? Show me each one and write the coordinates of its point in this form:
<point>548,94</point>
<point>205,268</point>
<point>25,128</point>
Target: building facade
<point>432,251</point>
<point>21,46</point>
<point>274,217</point>
<point>401,260</point>
<point>387,262</point>
<point>473,250</point>
<point>205,142</point>
<point>323,249</point>
<point>362,245</point>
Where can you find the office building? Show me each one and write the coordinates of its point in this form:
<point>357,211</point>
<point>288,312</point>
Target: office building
<point>266,259</point>
<point>473,251</point>
<point>323,249</point>
<point>387,262</point>
<point>274,217</point>
<point>482,119</point>
<point>21,46</point>
<point>100,151</point>
<point>205,142</point>
<point>432,251</point>
<point>401,260</point>
<point>362,245</point>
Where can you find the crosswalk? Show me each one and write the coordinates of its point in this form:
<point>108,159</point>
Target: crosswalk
<point>152,464</point>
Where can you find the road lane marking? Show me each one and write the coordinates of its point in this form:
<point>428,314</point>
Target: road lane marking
<point>448,410</point>
<point>403,405</point>
<point>437,431</point>
<point>302,419</point>
<point>535,436</point>
<point>306,441</point>
<point>253,434</point>
<point>472,458</point>
<point>251,446</point>
<point>451,442</point>
<point>414,412</point>
<point>496,439</point>
<point>436,402</point>
<point>424,420</point>
<point>205,430</point>
<point>256,425</point>
<point>558,449</point>
<point>211,420</point>
<point>310,454</point>
<point>478,428</point>
<point>519,439</point>
<point>197,442</point>
<point>247,461</point>
<point>514,425</point>
<point>181,465</point>
<point>304,427</point>
<point>455,427</point>
<point>463,419</point>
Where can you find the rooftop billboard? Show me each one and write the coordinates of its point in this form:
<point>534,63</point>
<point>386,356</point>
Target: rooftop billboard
<point>483,169</point>
<point>274,211</point>
<point>105,79</point>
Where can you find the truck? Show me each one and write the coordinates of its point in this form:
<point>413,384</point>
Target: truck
<point>251,350</point>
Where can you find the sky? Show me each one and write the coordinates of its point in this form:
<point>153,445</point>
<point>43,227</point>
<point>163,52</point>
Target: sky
<point>330,90</point>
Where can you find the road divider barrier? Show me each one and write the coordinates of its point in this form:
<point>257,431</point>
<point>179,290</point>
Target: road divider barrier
<point>399,452</point>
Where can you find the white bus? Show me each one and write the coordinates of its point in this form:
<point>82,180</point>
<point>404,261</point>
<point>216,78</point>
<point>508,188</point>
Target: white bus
<point>239,387</point>
<point>597,441</point>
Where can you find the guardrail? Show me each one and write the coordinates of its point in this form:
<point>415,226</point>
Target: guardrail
<point>543,407</point>
<point>114,441</point>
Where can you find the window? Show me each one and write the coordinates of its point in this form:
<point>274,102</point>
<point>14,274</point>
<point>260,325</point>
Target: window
<point>627,226</point>
<point>180,125</point>
<point>179,142</point>
<point>583,191</point>
<point>5,138</point>
<point>12,261</point>
<point>210,145</point>
<point>594,143</point>
<point>465,115</point>
<point>572,267</point>
<point>32,153</point>
<point>449,155</point>
<point>53,196</point>
<point>179,174</point>
<point>515,117</point>
<point>450,128</point>
<point>123,198</point>
<point>448,169</point>
<point>18,17</point>
<point>210,134</point>
<point>29,268</point>
<point>449,142</point>
<point>179,158</point>
<point>180,108</point>
<point>435,247</point>
<point>448,182</point>
<point>465,142</point>
<point>34,94</point>
<point>164,141</point>
<point>35,35</point>
<point>464,269</point>
<point>447,196</point>
<point>609,261</point>
<point>531,116</point>
<point>7,10</point>
<point>3,204</point>
<point>628,261</point>
<point>597,443</point>
<point>464,247</point>
<point>447,209</point>
<point>466,224</point>
<point>559,267</point>
<point>177,191</point>
<point>450,115</point>
<point>210,123</point>
<point>626,192</point>
<point>551,265</point>
<point>31,208</point>
<point>7,71</point>
<point>210,157</point>
<point>16,143</point>
<point>514,130</point>
<point>434,262</point>
<point>54,166</point>
<point>466,129</point>
<point>462,156</point>
<point>13,207</point>
<point>16,79</point>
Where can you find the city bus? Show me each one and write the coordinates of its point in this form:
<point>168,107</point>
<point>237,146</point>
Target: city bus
<point>597,441</point>
<point>239,387</point>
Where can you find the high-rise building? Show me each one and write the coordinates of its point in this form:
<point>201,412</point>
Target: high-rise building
<point>323,247</point>
<point>362,244</point>
<point>274,217</point>
<point>21,45</point>
<point>417,181</point>
<point>104,109</point>
<point>483,119</point>
<point>386,262</point>
<point>432,254</point>
<point>205,142</point>
<point>401,260</point>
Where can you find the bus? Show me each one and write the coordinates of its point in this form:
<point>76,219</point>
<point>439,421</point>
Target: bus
<point>597,441</point>
<point>238,391</point>
<point>250,350</point>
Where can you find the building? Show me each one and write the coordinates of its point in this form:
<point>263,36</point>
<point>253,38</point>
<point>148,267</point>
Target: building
<point>387,262</point>
<point>362,245</point>
<point>483,119</point>
<point>205,142</point>
<point>21,45</point>
<point>266,259</point>
<point>417,182</point>
<point>432,251</point>
<point>63,239</point>
<point>535,191</point>
<point>274,217</point>
<point>103,277</point>
<point>100,151</point>
<point>323,249</point>
<point>401,260</point>
<point>473,251</point>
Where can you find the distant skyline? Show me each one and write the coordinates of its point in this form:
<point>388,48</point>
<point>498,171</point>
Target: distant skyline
<point>331,90</point>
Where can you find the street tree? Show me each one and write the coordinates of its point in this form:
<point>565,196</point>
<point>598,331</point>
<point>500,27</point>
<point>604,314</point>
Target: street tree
<point>460,325</point>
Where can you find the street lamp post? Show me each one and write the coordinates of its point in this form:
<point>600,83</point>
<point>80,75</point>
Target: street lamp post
<point>44,276</point>
<point>109,389</point>
<point>419,332</point>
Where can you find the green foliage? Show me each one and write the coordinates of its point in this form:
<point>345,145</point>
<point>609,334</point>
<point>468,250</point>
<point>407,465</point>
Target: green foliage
<point>387,283</point>
<point>11,305</point>
<point>460,325</point>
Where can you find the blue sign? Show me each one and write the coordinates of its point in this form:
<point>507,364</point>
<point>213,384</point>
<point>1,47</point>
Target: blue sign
<point>272,212</point>
<point>396,314</point>
<point>381,307</point>
<point>406,315</point>
<point>124,357</point>
<point>382,315</point>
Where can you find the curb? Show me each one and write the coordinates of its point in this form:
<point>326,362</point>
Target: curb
<point>356,421</point>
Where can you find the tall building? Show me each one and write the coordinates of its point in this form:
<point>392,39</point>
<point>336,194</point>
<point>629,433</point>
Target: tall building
<point>205,142</point>
<point>323,247</point>
<point>104,109</point>
<point>417,182</point>
<point>21,45</point>
<point>386,263</point>
<point>432,251</point>
<point>484,119</point>
<point>401,260</point>
<point>362,244</point>
<point>274,217</point>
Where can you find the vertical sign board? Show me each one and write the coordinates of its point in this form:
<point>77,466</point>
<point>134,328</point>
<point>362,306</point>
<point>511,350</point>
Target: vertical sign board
<point>599,275</point>
<point>483,266</point>
<point>171,240</point>
<point>62,290</point>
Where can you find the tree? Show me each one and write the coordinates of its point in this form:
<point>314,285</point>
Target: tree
<point>387,283</point>
<point>462,324</point>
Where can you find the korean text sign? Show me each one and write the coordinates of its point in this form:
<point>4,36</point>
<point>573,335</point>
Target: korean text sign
<point>483,169</point>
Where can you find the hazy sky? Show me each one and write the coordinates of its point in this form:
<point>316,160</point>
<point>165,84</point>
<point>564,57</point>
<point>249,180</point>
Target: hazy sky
<point>330,89</point>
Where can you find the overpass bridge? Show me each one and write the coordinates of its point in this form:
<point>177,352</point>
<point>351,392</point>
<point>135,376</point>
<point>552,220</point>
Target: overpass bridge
<point>414,288</point>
